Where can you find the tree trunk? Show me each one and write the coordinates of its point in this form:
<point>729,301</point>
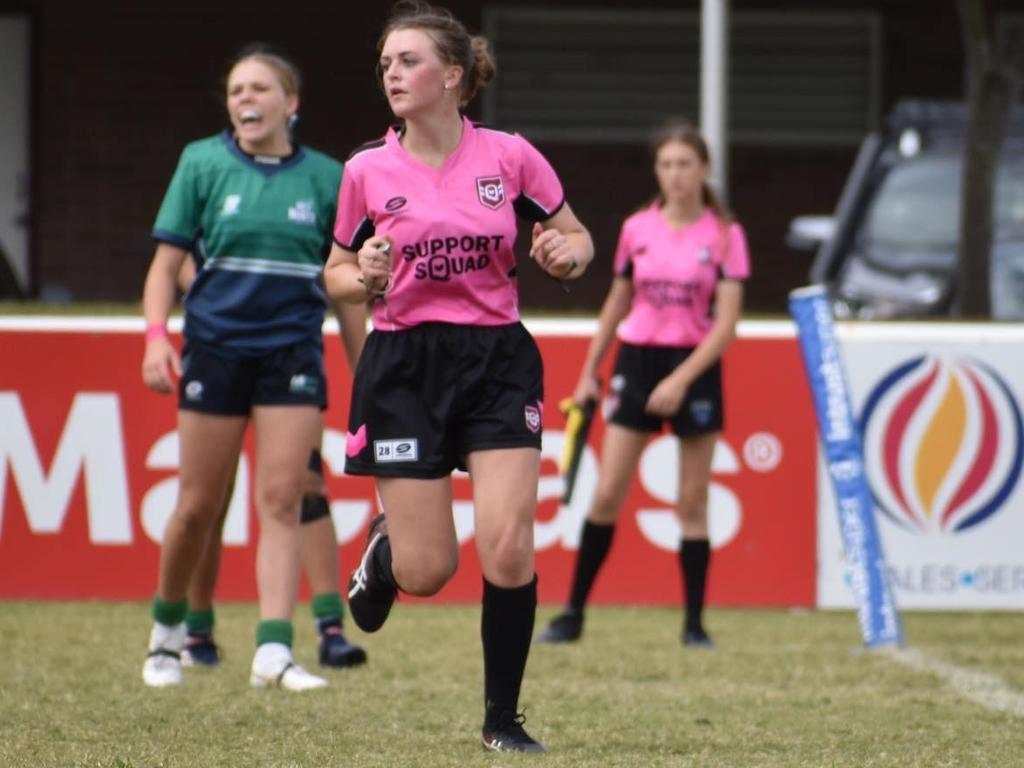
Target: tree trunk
<point>987,111</point>
<point>991,85</point>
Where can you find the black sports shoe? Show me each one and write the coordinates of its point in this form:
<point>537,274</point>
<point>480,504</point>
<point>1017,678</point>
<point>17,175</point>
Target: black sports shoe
<point>697,638</point>
<point>564,628</point>
<point>369,597</point>
<point>200,651</point>
<point>503,732</point>
<point>336,651</point>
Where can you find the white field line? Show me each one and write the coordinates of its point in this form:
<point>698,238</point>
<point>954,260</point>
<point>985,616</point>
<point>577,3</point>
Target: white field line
<point>987,690</point>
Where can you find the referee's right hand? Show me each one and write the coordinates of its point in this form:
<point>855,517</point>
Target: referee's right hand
<point>588,388</point>
<point>160,361</point>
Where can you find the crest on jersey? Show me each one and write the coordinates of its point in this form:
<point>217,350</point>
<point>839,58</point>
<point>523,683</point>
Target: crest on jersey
<point>302,213</point>
<point>490,191</point>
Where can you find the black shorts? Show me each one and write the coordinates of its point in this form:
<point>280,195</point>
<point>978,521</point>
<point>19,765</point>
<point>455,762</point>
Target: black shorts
<point>227,384</point>
<point>426,396</point>
<point>638,371</point>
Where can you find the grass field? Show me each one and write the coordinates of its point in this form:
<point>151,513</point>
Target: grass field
<point>782,689</point>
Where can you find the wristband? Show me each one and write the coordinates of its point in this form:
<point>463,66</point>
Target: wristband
<point>156,331</point>
<point>377,293</point>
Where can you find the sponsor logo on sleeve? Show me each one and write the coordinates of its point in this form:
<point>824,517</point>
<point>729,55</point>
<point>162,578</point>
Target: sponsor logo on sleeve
<point>231,205</point>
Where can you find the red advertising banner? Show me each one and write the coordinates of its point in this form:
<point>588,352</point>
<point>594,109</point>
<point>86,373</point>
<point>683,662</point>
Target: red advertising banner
<point>88,478</point>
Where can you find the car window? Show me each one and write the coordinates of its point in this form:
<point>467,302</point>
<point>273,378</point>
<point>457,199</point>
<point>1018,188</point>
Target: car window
<point>918,204</point>
<point>904,251</point>
<point>1010,202</point>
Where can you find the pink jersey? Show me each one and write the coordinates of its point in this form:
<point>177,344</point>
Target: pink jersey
<point>452,229</point>
<point>675,272</point>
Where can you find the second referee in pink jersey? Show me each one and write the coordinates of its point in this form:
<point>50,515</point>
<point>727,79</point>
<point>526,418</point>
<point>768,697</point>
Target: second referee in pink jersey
<point>674,302</point>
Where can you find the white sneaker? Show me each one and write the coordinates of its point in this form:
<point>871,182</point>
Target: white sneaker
<point>163,664</point>
<point>273,667</point>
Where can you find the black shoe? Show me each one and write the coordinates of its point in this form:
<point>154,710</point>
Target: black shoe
<point>369,597</point>
<point>336,651</point>
<point>200,651</point>
<point>697,638</point>
<point>504,732</point>
<point>564,628</point>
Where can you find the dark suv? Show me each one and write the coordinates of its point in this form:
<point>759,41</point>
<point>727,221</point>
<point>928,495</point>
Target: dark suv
<point>890,248</point>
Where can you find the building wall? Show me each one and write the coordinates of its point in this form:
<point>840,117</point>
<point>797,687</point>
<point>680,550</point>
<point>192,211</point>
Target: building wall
<point>119,87</point>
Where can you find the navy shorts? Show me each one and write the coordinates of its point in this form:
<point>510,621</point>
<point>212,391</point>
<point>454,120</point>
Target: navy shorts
<point>638,370</point>
<point>224,383</point>
<point>425,397</point>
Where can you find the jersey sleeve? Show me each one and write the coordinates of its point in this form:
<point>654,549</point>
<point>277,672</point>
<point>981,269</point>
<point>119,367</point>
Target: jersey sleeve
<point>178,220</point>
<point>541,195</point>
<point>735,260</point>
<point>352,226</point>
<point>330,206</point>
<point>623,264</point>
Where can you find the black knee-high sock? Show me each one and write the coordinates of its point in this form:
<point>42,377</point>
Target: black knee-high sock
<point>694,556</point>
<point>506,626</point>
<point>595,541</point>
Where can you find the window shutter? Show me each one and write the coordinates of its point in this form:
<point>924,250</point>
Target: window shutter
<point>610,76</point>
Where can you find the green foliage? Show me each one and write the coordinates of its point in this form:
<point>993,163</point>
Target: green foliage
<point>782,689</point>
<point>86,309</point>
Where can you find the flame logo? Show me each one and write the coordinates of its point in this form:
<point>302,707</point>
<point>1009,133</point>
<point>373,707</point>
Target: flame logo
<point>943,443</point>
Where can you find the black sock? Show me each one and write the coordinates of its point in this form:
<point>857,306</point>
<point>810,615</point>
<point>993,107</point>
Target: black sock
<point>595,541</point>
<point>382,563</point>
<point>694,556</point>
<point>506,627</point>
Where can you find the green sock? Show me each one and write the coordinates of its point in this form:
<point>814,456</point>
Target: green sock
<point>199,622</point>
<point>169,614</point>
<point>274,631</point>
<point>327,605</point>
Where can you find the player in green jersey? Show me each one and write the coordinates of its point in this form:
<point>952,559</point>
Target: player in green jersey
<point>319,560</point>
<point>256,211</point>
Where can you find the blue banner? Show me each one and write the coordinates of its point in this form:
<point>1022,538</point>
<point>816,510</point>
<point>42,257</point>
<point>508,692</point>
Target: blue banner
<point>844,456</point>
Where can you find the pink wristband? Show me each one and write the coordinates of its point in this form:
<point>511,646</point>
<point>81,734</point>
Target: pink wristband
<point>156,331</point>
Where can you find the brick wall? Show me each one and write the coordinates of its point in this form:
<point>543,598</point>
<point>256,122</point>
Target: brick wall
<point>120,87</point>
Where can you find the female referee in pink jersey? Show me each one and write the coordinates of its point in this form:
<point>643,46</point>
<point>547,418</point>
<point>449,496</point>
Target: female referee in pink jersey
<point>674,300</point>
<point>449,377</point>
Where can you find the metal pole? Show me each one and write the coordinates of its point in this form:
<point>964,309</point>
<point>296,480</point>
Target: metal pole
<point>714,88</point>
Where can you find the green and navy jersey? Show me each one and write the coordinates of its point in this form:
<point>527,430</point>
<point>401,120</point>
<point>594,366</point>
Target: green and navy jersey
<point>259,233</point>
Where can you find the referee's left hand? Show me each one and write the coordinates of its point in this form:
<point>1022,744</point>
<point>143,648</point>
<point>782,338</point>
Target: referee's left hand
<point>553,251</point>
